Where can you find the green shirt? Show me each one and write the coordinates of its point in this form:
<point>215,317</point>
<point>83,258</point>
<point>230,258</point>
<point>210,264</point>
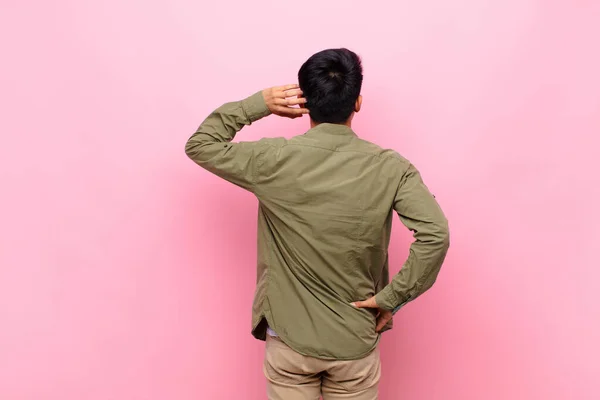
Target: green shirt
<point>326,202</point>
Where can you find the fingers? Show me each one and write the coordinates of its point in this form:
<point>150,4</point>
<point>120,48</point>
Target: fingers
<point>293,92</point>
<point>383,318</point>
<point>284,99</point>
<point>291,112</point>
<point>286,91</point>
<point>286,95</point>
<point>381,322</point>
<point>286,87</point>
<point>290,101</point>
<point>369,303</point>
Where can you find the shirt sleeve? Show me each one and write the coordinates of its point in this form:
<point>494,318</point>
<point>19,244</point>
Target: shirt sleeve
<point>419,211</point>
<point>211,147</point>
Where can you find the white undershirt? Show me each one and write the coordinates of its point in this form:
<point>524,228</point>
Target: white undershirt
<point>271,332</point>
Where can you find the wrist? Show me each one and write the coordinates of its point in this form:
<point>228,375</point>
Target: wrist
<point>386,299</point>
<point>255,107</point>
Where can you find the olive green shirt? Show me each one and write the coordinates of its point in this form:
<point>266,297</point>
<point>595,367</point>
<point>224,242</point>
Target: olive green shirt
<point>326,202</point>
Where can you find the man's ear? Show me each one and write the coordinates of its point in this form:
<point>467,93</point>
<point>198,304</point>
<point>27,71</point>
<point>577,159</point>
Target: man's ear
<point>358,103</point>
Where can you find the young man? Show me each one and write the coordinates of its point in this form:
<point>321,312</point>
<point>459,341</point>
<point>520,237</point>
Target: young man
<point>326,202</point>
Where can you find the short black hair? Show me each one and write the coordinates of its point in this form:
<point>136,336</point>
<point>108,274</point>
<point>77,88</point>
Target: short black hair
<point>330,81</point>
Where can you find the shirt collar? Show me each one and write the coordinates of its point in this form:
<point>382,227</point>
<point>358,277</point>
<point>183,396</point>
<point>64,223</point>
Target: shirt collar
<point>331,129</point>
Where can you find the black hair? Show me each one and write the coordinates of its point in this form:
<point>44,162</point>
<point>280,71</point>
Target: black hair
<point>331,81</point>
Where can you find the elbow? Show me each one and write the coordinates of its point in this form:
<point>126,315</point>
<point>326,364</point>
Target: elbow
<point>443,234</point>
<point>193,149</point>
<point>189,149</point>
<point>446,242</point>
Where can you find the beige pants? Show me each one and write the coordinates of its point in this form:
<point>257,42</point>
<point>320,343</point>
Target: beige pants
<point>292,376</point>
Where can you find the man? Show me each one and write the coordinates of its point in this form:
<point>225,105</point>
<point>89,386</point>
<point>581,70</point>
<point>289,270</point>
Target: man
<point>326,202</point>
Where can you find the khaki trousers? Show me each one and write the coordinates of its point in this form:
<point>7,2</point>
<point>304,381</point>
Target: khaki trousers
<point>292,376</point>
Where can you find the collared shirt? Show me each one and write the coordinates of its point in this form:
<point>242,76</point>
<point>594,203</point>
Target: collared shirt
<point>326,202</point>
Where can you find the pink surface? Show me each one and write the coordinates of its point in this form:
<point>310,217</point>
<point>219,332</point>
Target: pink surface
<point>127,272</point>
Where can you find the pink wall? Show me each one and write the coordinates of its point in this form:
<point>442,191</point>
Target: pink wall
<point>113,245</point>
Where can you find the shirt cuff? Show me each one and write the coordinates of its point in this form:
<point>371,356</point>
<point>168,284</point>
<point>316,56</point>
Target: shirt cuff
<point>387,300</point>
<point>255,107</point>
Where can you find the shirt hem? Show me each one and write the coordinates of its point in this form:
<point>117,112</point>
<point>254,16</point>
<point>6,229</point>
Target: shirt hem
<point>284,338</point>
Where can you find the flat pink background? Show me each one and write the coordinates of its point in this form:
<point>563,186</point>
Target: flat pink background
<point>127,272</point>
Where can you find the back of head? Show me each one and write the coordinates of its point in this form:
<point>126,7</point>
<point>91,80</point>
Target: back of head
<point>331,81</point>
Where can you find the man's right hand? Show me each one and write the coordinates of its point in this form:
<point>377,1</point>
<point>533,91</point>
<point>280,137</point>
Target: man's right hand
<point>281,101</point>
<point>383,317</point>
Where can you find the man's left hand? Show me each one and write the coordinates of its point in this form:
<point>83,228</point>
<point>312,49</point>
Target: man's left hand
<point>383,316</point>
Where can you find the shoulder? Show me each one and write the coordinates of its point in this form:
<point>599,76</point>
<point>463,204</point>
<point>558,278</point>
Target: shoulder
<point>389,156</point>
<point>269,144</point>
<point>273,142</point>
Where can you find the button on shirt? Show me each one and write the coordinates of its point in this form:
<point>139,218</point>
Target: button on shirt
<point>326,203</point>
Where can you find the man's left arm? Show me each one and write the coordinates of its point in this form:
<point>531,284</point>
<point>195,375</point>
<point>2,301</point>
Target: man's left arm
<point>211,145</point>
